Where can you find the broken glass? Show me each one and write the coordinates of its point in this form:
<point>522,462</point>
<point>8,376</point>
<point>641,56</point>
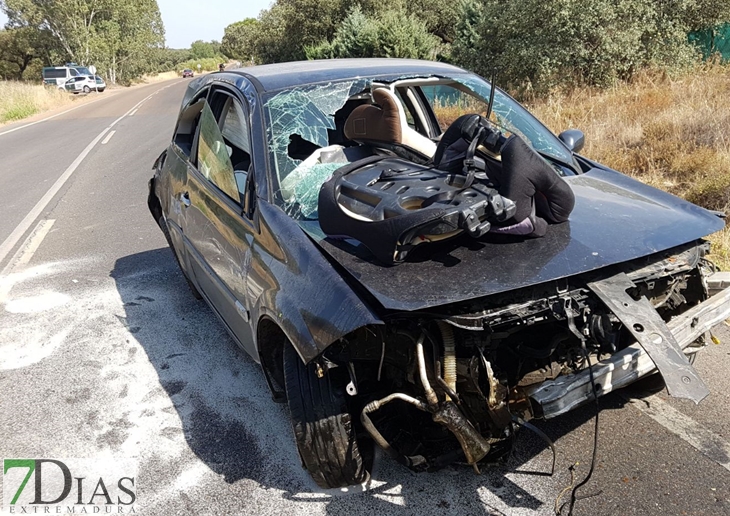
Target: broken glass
<point>308,112</point>
<point>517,119</point>
<point>303,116</point>
<point>304,198</point>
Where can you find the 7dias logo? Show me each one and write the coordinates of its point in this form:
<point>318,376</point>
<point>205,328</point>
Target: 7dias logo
<point>69,486</point>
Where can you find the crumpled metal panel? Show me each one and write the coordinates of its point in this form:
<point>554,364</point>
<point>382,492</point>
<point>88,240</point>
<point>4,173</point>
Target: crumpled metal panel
<point>652,333</point>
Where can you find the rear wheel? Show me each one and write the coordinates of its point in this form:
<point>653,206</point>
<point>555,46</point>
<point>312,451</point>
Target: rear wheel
<point>323,427</point>
<point>87,89</point>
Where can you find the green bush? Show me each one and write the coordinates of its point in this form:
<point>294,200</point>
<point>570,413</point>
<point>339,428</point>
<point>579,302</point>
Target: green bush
<point>539,45</point>
<point>392,33</point>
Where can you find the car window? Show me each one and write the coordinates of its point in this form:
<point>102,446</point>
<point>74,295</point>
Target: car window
<point>73,72</point>
<point>235,127</point>
<point>188,123</point>
<point>448,104</point>
<point>213,160</point>
<point>469,94</point>
<point>54,73</point>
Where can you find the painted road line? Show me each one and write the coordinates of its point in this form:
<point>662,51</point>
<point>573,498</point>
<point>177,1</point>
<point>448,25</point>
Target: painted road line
<point>133,112</point>
<point>698,436</point>
<point>23,255</point>
<point>27,222</point>
<point>108,137</point>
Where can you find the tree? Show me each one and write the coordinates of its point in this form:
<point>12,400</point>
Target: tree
<point>239,40</point>
<point>205,49</point>
<point>117,35</point>
<point>392,33</point>
<point>21,47</point>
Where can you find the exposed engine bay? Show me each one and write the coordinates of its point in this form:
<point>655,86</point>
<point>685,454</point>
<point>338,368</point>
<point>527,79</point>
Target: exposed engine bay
<point>434,388</point>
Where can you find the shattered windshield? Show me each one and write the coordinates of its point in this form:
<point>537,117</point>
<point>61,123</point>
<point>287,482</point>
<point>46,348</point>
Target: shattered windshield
<point>301,121</point>
<point>516,119</point>
<point>307,144</point>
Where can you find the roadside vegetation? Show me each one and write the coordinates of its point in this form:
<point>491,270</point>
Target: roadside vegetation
<point>20,100</point>
<point>673,133</point>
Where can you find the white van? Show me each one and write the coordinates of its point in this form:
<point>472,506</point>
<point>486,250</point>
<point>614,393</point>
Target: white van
<point>58,75</point>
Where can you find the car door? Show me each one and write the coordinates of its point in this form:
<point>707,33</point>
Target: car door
<point>217,233</point>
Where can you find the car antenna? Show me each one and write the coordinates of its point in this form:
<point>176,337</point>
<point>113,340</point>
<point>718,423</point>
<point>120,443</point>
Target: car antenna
<point>492,87</point>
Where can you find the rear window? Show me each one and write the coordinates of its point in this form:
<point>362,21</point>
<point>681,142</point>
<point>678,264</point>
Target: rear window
<point>54,73</point>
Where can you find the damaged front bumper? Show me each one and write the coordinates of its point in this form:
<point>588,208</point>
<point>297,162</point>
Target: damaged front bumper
<point>555,397</point>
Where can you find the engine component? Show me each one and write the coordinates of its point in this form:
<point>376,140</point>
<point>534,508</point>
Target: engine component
<point>447,334</point>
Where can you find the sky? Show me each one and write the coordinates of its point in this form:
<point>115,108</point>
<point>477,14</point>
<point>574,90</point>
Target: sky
<point>189,20</point>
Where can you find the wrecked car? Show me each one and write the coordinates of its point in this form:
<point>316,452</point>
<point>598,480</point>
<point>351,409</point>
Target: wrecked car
<point>437,339</point>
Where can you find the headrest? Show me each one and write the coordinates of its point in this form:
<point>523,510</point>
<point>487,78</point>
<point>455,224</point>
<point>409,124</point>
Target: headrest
<point>377,122</point>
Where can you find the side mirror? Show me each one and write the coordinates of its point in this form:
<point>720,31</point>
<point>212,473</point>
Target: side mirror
<point>574,139</point>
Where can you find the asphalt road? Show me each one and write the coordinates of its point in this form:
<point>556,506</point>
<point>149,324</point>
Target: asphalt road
<point>105,353</point>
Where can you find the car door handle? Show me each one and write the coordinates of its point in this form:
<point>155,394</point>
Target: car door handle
<point>185,199</point>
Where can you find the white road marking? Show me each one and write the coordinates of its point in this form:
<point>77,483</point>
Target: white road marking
<point>133,112</point>
<point>53,116</point>
<point>706,442</point>
<point>108,137</point>
<point>23,255</point>
<point>26,223</point>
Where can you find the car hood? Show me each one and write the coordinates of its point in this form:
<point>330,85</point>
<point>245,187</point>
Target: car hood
<point>616,219</point>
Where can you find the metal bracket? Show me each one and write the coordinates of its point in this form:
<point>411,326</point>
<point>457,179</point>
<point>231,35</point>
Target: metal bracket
<point>651,332</point>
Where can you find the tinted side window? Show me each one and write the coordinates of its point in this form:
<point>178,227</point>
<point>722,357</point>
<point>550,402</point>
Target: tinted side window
<point>185,130</point>
<point>235,127</point>
<point>234,124</point>
<point>213,159</point>
<point>54,73</point>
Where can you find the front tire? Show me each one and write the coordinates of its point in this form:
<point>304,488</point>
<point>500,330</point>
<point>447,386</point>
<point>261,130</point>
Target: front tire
<point>323,427</point>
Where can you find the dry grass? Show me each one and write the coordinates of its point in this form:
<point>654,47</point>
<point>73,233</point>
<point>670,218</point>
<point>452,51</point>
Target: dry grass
<point>671,133</point>
<point>20,100</point>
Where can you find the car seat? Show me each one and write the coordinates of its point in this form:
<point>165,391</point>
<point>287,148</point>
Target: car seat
<point>383,124</point>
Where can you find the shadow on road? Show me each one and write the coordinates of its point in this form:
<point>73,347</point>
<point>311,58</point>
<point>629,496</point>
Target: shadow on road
<point>231,424</point>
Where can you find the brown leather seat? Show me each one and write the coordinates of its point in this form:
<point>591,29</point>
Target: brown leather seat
<point>383,124</point>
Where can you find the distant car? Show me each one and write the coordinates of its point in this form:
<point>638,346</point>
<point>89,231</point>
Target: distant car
<point>438,359</point>
<point>187,73</point>
<point>85,83</point>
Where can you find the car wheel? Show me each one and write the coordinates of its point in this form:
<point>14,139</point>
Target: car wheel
<point>87,89</point>
<point>323,427</point>
<point>166,232</point>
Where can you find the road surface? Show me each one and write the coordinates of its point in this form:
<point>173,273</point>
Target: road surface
<point>105,353</point>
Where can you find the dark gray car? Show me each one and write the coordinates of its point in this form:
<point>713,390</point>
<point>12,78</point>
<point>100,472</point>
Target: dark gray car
<point>440,358</point>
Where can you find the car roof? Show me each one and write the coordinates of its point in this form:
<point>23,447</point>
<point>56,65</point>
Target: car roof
<point>285,75</point>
